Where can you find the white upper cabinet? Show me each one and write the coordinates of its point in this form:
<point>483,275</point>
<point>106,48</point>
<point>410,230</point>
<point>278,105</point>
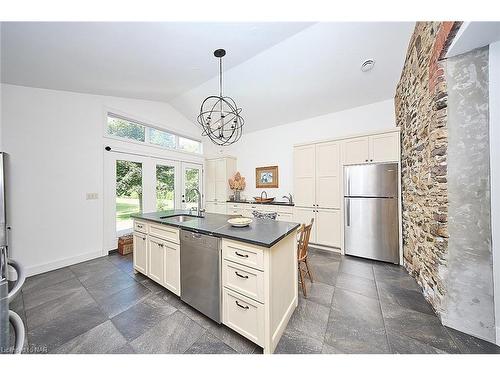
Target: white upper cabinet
<point>372,149</point>
<point>304,175</point>
<point>384,147</point>
<point>218,171</point>
<point>317,175</point>
<point>356,150</point>
<point>328,175</point>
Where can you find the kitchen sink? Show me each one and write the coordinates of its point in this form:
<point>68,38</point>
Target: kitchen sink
<point>180,218</point>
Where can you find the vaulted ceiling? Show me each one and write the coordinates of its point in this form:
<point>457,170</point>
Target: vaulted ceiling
<point>277,72</point>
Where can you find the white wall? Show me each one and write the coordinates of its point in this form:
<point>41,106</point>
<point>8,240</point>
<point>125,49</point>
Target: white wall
<point>55,144</point>
<point>494,94</point>
<point>274,146</point>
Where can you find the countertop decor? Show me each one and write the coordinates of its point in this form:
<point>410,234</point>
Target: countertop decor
<point>237,184</point>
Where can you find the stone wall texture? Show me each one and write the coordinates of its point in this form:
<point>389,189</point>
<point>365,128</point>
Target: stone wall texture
<point>421,113</point>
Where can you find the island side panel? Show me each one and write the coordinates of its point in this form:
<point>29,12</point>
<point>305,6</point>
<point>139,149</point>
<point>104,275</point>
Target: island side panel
<point>283,289</point>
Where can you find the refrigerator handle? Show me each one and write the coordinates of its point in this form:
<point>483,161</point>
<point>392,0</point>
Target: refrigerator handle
<point>19,330</point>
<point>348,212</point>
<point>21,278</point>
<point>348,182</point>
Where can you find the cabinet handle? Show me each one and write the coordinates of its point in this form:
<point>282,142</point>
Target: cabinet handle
<point>240,305</point>
<point>239,275</point>
<point>371,159</point>
<point>160,244</point>
<point>366,160</point>
<point>144,238</point>
<point>139,226</point>
<point>241,255</point>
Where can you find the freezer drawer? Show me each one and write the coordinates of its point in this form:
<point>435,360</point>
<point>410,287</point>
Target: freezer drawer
<point>371,228</point>
<point>371,180</point>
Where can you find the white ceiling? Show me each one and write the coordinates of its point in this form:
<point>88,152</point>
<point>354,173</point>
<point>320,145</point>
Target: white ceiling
<point>154,61</point>
<point>277,72</point>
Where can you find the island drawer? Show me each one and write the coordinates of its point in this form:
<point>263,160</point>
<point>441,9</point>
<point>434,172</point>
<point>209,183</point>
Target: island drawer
<point>242,279</point>
<point>242,253</point>
<point>140,226</point>
<point>165,232</point>
<point>244,315</point>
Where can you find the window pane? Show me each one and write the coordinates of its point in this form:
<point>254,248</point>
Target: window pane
<point>128,192</point>
<point>189,145</point>
<point>126,129</point>
<point>192,180</point>
<point>165,192</point>
<point>161,138</point>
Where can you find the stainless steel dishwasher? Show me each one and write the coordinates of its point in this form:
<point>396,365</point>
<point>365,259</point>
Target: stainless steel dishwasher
<point>200,273</point>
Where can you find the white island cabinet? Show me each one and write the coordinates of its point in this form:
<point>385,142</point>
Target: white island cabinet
<point>157,254</point>
<point>258,283</point>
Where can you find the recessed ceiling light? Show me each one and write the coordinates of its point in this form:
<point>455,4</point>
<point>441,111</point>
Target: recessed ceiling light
<point>367,65</point>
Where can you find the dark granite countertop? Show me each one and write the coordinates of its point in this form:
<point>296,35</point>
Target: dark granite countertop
<point>261,232</point>
<point>275,203</point>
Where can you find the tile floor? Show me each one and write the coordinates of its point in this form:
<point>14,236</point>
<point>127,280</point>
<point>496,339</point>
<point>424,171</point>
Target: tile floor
<point>354,306</point>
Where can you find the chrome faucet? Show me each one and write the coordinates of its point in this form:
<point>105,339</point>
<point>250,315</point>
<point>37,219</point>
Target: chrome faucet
<point>200,210</point>
<point>289,198</point>
<point>262,194</point>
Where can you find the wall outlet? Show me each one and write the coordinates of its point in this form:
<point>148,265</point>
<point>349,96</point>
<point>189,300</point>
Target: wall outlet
<point>92,196</point>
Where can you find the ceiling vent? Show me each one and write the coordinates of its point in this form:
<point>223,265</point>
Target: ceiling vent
<point>367,65</point>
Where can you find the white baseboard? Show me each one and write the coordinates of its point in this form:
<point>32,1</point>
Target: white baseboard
<point>326,248</point>
<point>50,266</point>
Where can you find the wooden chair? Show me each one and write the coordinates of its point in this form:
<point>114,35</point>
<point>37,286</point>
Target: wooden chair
<point>303,243</point>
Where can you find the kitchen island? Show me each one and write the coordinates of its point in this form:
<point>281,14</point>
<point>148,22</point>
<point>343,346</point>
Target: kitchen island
<point>256,267</point>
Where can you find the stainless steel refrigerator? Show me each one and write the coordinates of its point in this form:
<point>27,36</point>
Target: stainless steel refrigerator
<point>371,215</point>
<point>8,294</point>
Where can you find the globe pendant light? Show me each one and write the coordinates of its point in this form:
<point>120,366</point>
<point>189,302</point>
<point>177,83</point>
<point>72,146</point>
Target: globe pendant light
<point>219,115</point>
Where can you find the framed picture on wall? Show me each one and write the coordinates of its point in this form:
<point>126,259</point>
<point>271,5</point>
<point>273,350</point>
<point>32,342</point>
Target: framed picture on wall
<point>266,177</point>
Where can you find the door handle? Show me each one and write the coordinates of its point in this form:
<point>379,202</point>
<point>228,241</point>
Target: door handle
<point>21,278</point>
<point>18,325</point>
<point>240,275</point>
<point>348,212</point>
<point>241,306</point>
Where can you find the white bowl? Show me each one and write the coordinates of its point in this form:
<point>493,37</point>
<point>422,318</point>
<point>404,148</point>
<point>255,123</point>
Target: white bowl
<point>240,221</point>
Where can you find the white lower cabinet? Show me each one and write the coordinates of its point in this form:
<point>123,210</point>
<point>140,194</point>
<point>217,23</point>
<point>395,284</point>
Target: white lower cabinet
<point>326,229</point>
<point>173,268</point>
<point>245,280</point>
<point>303,215</point>
<point>244,315</point>
<point>259,289</point>
<point>156,260</point>
<point>140,252</point>
<point>157,254</point>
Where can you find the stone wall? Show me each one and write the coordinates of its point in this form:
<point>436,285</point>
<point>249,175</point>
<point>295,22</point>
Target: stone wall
<point>421,112</point>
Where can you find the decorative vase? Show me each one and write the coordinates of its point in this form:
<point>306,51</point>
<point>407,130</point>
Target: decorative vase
<point>236,195</point>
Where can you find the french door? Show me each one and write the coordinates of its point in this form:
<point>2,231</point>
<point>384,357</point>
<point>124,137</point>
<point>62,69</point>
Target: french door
<point>191,179</point>
<point>144,184</point>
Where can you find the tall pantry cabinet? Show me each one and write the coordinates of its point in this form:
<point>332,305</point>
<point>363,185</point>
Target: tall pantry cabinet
<point>217,191</point>
<point>317,178</point>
